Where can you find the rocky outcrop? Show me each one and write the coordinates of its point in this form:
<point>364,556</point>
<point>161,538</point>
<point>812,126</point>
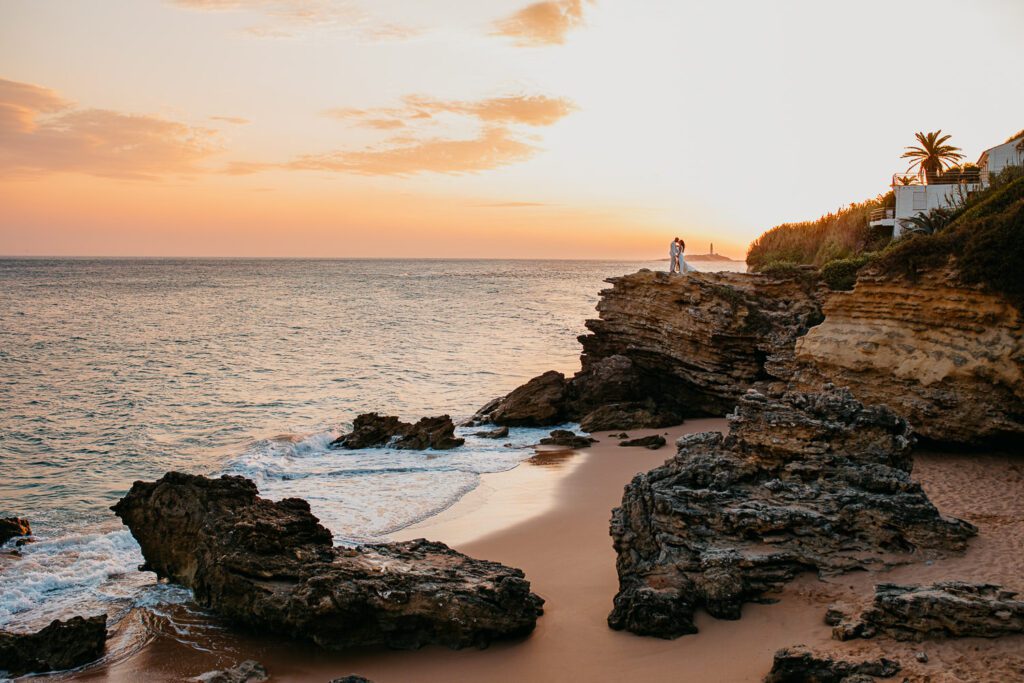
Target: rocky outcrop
<point>273,567</point>
<point>13,527</point>
<point>668,347</point>
<point>249,671</point>
<point>567,439</point>
<point>947,357</point>
<point>61,645</point>
<point>800,665</point>
<point>351,678</point>
<point>373,430</point>
<point>653,442</point>
<point>802,482</point>
<point>951,609</point>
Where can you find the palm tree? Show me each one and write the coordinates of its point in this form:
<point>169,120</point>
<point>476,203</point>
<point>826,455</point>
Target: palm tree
<point>932,155</point>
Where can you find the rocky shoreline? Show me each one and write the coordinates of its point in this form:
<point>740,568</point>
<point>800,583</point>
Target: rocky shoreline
<point>810,478</point>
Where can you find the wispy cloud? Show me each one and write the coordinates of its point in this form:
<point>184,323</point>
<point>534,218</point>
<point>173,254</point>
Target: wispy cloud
<point>285,18</point>
<point>41,132</point>
<point>531,110</point>
<point>542,23</point>
<point>497,138</point>
<point>492,148</point>
<point>234,120</point>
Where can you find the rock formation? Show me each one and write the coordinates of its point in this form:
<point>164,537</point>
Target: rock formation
<point>499,433</point>
<point>61,645</point>
<point>653,442</point>
<point>12,527</point>
<point>567,439</point>
<point>951,609</point>
<point>373,430</point>
<point>272,566</point>
<point>800,665</point>
<point>668,347</point>
<point>948,358</point>
<point>802,482</point>
<point>249,671</point>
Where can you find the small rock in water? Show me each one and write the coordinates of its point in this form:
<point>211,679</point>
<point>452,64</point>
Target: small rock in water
<point>373,430</point>
<point>563,437</point>
<point>11,527</point>
<point>499,433</point>
<point>249,671</point>
<point>61,645</point>
<point>653,442</point>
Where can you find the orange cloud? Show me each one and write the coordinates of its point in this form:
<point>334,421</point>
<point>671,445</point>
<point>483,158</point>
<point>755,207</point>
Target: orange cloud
<point>542,23</point>
<point>287,15</point>
<point>236,120</point>
<point>40,132</point>
<point>530,110</point>
<point>494,147</point>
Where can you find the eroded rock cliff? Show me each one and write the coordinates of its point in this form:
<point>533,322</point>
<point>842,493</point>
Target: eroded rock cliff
<point>272,565</point>
<point>802,482</point>
<point>666,347</point>
<point>946,356</point>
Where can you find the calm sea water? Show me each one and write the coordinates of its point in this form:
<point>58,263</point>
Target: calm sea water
<point>117,370</point>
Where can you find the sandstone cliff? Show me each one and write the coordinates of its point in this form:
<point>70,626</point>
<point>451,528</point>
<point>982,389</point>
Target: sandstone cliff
<point>948,357</point>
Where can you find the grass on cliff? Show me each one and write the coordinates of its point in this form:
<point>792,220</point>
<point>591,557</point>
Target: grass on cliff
<point>985,237</point>
<point>835,236</point>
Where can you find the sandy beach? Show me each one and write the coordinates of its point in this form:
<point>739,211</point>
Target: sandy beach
<point>550,517</point>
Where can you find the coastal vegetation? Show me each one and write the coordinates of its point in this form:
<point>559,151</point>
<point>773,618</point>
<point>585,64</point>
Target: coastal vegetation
<point>836,236</point>
<point>983,234</point>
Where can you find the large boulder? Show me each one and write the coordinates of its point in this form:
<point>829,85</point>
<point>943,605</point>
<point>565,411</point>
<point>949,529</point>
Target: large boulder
<point>799,664</point>
<point>628,416</point>
<point>373,430</point>
<point>13,527</point>
<point>803,482</point>
<point>61,645</point>
<point>949,609</point>
<point>540,402</point>
<point>272,566</point>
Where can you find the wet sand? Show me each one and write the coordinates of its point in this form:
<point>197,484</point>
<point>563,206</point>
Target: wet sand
<point>550,518</point>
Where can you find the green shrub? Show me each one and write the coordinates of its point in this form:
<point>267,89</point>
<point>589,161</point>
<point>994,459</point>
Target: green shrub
<point>841,274</point>
<point>986,238</point>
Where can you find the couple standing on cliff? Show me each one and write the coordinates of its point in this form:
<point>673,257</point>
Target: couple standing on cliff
<point>676,260</point>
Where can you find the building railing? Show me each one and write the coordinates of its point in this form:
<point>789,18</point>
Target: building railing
<point>881,215</point>
<point>971,177</point>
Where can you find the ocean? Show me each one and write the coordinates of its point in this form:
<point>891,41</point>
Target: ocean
<point>114,370</point>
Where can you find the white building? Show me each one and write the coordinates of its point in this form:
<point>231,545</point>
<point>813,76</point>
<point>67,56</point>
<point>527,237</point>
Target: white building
<point>916,195</point>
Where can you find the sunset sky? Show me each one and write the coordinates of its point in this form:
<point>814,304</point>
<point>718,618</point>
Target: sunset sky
<point>475,128</point>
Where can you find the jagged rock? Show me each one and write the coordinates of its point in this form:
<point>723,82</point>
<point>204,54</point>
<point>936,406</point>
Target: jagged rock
<point>697,343</point>
<point>951,609</point>
<point>800,665</point>
<point>803,482</point>
<point>947,357</point>
<point>499,433</point>
<point>666,348</point>
<point>627,416</point>
<point>351,678</point>
<point>563,437</point>
<point>61,645</point>
<point>249,671</point>
<point>373,430</point>
<point>273,567</point>
<point>653,442</point>
<point>12,527</point>
<point>539,402</point>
